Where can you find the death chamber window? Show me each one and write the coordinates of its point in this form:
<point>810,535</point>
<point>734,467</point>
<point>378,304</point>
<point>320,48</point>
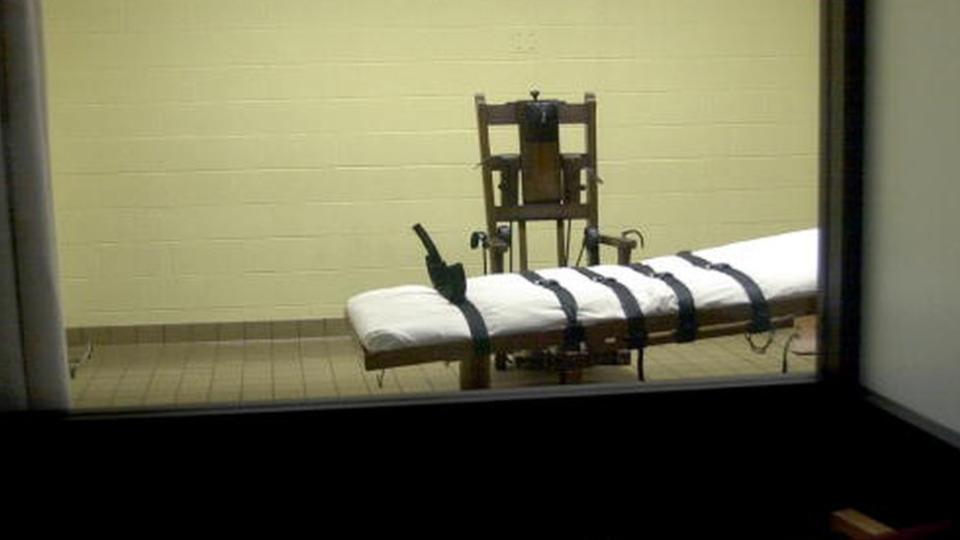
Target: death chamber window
<point>607,193</point>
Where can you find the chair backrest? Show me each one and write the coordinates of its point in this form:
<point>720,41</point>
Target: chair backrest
<point>542,183</point>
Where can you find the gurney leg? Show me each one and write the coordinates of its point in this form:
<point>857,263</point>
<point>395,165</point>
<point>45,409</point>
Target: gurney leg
<point>640,364</point>
<point>475,372</point>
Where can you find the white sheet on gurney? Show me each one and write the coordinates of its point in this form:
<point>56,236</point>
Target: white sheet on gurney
<point>783,265</point>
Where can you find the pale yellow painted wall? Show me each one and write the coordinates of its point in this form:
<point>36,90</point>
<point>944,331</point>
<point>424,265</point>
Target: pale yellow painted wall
<point>223,160</point>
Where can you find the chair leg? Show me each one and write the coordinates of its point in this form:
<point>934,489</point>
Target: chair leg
<point>571,376</point>
<point>500,361</point>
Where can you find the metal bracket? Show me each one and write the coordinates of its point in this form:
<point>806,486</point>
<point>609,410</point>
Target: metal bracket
<point>76,362</point>
<point>760,349</point>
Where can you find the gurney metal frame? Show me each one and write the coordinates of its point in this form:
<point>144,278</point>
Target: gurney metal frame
<point>606,336</point>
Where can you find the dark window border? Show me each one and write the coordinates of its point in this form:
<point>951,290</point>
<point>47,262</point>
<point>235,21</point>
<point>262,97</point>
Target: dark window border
<point>842,57</point>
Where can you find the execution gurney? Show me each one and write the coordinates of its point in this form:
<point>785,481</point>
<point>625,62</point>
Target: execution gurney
<point>414,324</point>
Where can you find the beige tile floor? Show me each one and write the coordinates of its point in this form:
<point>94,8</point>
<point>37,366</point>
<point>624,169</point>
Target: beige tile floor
<point>278,370</point>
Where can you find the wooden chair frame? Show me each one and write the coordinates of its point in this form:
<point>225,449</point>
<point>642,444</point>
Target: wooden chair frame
<point>573,166</point>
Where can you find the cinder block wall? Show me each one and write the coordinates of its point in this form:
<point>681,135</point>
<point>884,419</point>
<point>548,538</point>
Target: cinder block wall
<point>226,160</point>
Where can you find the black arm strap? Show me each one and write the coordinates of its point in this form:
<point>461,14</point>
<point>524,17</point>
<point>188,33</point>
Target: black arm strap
<point>636,326</point>
<point>451,282</point>
<point>573,334</point>
<point>758,303</point>
<point>686,309</point>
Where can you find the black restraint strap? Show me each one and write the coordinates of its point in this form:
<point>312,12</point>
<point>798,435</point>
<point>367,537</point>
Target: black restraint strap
<point>478,328</point>
<point>636,326</point>
<point>451,282</point>
<point>573,334</point>
<point>687,311</point>
<point>761,311</point>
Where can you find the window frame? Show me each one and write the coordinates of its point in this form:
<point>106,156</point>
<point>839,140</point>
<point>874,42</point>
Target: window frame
<point>842,44</point>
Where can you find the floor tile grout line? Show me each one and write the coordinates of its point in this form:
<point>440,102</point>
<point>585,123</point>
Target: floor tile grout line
<point>303,373</point>
<point>143,395</point>
<point>216,362</point>
<point>116,387</point>
<point>273,378</point>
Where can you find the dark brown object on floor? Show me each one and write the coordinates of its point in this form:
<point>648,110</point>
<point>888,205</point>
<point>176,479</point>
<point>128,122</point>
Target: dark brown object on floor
<point>859,526</point>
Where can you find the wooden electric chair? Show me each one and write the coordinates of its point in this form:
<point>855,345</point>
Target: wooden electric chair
<point>543,183</point>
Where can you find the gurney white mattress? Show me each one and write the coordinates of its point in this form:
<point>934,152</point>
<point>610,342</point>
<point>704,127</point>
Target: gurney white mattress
<point>395,318</point>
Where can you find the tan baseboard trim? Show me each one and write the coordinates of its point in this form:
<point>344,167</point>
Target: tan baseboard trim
<point>187,332</point>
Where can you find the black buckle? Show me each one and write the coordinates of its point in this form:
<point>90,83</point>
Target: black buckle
<point>718,266</point>
<point>603,279</point>
<point>548,283</point>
